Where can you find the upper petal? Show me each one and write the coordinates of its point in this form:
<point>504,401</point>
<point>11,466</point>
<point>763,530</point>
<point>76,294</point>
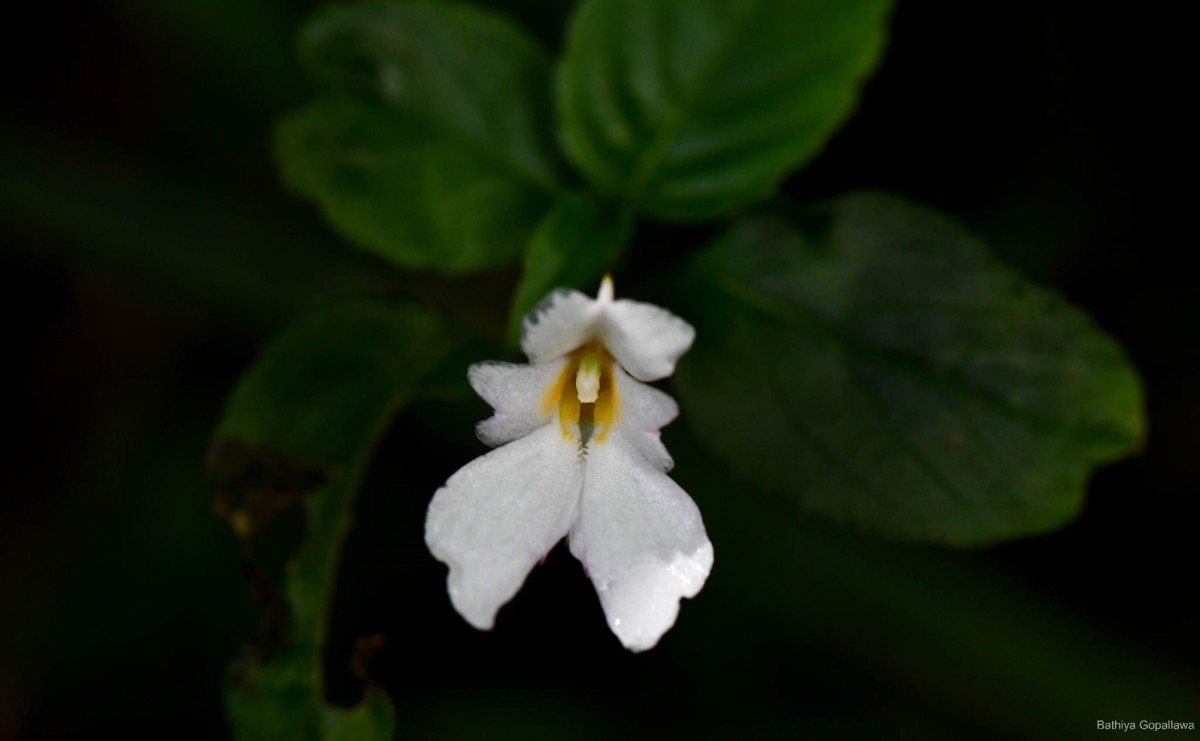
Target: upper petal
<point>516,393</point>
<point>645,339</point>
<point>563,321</point>
<point>499,515</point>
<point>641,540</point>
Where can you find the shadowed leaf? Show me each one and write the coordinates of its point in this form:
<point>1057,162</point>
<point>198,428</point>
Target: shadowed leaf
<point>872,361</point>
<point>692,108</point>
<point>432,146</point>
<point>300,429</point>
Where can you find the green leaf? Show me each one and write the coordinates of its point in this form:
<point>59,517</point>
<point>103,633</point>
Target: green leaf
<point>572,248</point>
<point>692,108</point>
<point>433,144</point>
<point>300,428</point>
<point>874,362</point>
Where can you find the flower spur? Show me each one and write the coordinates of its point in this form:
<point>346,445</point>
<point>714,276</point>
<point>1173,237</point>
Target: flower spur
<point>578,454</point>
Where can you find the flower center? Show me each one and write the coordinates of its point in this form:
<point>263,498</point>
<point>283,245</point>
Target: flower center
<point>586,395</point>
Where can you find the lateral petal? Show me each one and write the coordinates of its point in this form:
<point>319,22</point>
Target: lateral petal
<point>646,411</point>
<point>642,541</point>
<point>499,515</point>
<point>646,340</point>
<point>515,392</point>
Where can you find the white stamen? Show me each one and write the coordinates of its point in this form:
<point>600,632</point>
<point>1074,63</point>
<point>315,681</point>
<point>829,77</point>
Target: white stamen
<point>587,378</point>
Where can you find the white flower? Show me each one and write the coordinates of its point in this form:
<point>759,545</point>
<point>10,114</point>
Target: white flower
<point>577,454</point>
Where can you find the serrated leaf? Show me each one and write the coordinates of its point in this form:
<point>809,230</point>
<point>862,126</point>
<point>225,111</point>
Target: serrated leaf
<point>299,429</point>
<point>871,360</point>
<point>572,248</point>
<point>692,108</point>
<point>433,143</point>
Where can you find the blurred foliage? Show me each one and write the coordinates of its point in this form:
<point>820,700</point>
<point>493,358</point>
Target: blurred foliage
<point>320,395</point>
<point>434,143</point>
<point>939,627</point>
<point>433,147</point>
<point>150,221</point>
<point>871,330</point>
<point>692,108</point>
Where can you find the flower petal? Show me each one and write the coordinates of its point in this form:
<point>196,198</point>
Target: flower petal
<point>499,515</point>
<point>515,392</point>
<point>646,411</point>
<point>645,339</point>
<point>641,540</point>
<point>563,321</point>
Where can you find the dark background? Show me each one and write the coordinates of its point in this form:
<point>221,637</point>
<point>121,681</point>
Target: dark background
<point>147,249</point>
